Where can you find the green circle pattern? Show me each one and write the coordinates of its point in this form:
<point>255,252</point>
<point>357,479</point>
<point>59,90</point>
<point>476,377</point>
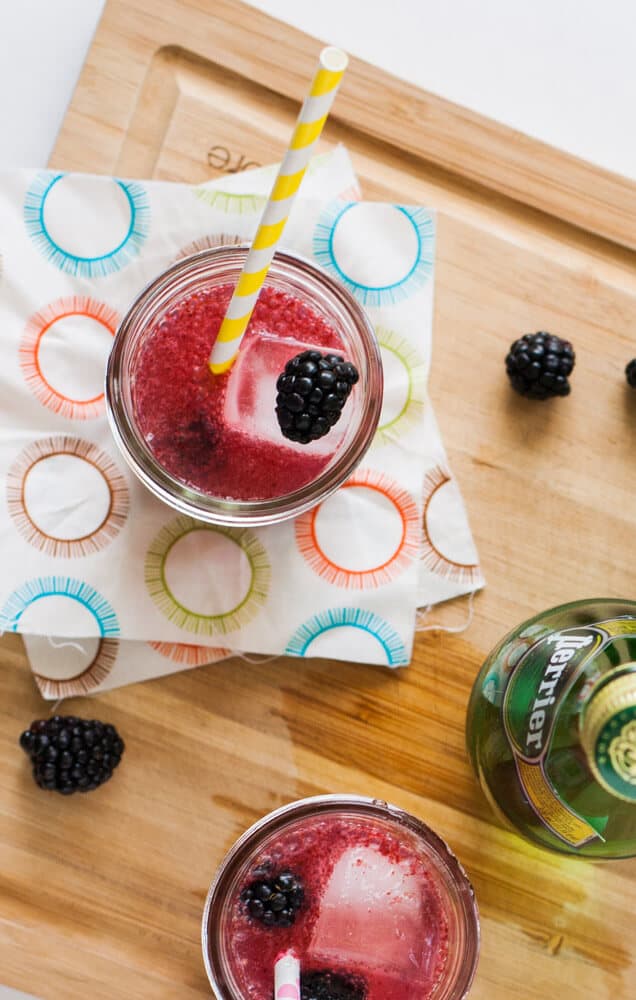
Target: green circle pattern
<point>185,618</point>
<point>414,405</point>
<point>228,202</point>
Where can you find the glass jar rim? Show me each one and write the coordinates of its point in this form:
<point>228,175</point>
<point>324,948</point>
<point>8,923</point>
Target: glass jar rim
<point>178,279</point>
<point>374,808</point>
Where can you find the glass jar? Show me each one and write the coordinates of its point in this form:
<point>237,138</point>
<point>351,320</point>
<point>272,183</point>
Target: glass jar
<point>293,827</point>
<point>299,279</point>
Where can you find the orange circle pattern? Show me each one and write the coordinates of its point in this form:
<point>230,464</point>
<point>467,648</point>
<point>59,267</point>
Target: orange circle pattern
<point>432,557</point>
<point>83,545</point>
<point>189,654</point>
<point>29,354</point>
<point>87,680</point>
<point>374,576</point>
<point>208,242</point>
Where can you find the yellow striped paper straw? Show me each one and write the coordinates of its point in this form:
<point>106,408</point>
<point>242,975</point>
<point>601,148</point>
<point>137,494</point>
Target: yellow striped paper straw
<point>313,115</point>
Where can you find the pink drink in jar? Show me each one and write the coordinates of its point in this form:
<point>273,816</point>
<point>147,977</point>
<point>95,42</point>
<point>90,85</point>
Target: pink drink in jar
<point>372,901</point>
<point>211,446</point>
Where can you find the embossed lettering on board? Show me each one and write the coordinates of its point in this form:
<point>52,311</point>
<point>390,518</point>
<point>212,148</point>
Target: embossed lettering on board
<point>227,162</point>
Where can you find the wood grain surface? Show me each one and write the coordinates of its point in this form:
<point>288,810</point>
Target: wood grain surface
<point>101,895</point>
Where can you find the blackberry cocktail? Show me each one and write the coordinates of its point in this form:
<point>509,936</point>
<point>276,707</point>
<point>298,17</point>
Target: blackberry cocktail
<point>244,447</point>
<point>371,900</point>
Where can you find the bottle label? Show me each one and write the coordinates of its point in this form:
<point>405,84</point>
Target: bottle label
<point>537,687</point>
<point>616,753</point>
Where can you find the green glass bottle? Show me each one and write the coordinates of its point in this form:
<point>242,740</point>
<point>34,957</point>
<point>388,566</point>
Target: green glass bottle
<point>551,729</point>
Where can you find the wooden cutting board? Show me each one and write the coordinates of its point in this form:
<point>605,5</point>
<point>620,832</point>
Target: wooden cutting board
<point>102,897</point>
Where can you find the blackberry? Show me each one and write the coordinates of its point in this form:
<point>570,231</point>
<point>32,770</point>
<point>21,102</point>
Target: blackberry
<point>331,986</point>
<point>630,373</point>
<point>538,365</point>
<point>194,443</point>
<point>312,391</point>
<point>70,754</point>
<point>274,900</point>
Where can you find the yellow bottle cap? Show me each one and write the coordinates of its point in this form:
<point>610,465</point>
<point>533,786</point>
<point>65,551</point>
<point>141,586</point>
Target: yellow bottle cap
<point>608,734</point>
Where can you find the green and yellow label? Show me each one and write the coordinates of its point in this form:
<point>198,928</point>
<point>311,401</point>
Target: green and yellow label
<point>616,753</point>
<point>538,686</point>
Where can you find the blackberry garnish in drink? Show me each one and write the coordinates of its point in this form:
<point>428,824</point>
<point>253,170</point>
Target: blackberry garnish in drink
<point>331,986</point>
<point>194,443</point>
<point>275,900</point>
<point>538,365</point>
<point>312,391</point>
<point>70,754</point>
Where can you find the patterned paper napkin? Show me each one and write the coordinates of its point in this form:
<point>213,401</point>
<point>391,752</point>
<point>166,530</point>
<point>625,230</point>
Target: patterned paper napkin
<point>133,588</point>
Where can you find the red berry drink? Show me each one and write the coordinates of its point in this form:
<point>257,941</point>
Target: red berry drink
<point>375,905</point>
<point>196,424</point>
<point>282,428</point>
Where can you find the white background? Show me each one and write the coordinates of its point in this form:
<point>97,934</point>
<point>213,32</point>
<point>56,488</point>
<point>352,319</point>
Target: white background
<point>561,70</point>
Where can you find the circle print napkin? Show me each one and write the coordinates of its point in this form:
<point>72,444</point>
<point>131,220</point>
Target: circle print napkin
<point>110,586</point>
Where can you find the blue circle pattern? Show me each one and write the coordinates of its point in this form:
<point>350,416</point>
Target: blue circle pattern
<point>58,586</point>
<point>377,295</point>
<point>86,267</point>
<point>358,618</point>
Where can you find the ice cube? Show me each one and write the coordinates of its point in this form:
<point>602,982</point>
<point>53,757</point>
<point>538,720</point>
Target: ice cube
<point>370,914</point>
<point>250,399</point>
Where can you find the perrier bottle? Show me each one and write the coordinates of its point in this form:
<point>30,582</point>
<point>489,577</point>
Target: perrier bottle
<point>552,729</point>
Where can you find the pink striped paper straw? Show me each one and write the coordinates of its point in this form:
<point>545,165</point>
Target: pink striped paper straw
<point>287,977</point>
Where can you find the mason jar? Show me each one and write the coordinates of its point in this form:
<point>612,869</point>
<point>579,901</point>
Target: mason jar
<point>414,935</point>
<point>308,287</point>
